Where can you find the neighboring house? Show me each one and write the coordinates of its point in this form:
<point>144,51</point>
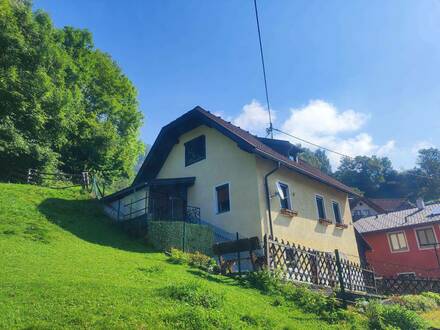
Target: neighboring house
<point>393,204</point>
<point>403,242</point>
<point>242,183</point>
<point>362,207</point>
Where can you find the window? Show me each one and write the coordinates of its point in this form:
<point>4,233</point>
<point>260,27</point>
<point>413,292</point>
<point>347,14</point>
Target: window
<point>398,242</point>
<point>320,206</point>
<point>285,202</point>
<point>406,276</point>
<point>222,196</point>
<point>195,150</point>
<point>426,237</point>
<point>337,212</point>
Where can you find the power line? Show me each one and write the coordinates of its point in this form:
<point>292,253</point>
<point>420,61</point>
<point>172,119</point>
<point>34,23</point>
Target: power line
<point>313,144</point>
<point>339,153</point>
<point>270,129</point>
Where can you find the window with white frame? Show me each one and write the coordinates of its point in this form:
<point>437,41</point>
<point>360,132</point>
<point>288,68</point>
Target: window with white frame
<point>320,206</point>
<point>337,212</point>
<point>222,198</point>
<point>285,202</point>
<point>398,241</point>
<point>426,237</point>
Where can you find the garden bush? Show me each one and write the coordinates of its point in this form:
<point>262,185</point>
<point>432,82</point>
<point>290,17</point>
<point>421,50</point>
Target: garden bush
<point>417,303</point>
<point>196,259</point>
<point>434,296</point>
<point>385,317</point>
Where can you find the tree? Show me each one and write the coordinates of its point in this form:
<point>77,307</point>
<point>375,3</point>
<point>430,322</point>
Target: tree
<point>64,105</point>
<point>428,173</point>
<point>317,159</point>
<point>368,174</point>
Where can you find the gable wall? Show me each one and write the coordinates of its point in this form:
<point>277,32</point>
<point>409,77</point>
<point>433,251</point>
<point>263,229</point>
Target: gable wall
<point>224,163</point>
<point>304,228</point>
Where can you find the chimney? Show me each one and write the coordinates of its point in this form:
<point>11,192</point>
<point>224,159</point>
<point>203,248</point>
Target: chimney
<point>420,203</point>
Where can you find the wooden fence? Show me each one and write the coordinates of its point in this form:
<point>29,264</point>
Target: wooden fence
<point>325,269</point>
<point>399,286</point>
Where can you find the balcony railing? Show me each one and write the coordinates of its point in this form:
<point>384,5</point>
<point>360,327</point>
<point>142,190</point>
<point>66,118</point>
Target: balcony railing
<point>155,208</point>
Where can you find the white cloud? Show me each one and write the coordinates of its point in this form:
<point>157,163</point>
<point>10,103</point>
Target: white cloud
<point>323,124</point>
<point>254,118</point>
<point>421,145</point>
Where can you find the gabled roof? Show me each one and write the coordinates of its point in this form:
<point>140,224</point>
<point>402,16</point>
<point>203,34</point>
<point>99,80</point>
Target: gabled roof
<point>392,204</point>
<point>399,219</point>
<point>170,133</point>
<point>369,202</point>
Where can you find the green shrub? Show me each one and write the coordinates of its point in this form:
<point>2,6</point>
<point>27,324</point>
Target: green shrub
<point>328,308</point>
<point>417,303</point>
<point>195,294</point>
<point>204,262</point>
<point>434,296</point>
<point>178,257</point>
<point>393,316</point>
<point>197,260</point>
<point>266,281</point>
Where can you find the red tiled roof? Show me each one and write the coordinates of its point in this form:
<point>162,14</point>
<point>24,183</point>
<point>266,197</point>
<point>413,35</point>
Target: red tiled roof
<point>392,204</point>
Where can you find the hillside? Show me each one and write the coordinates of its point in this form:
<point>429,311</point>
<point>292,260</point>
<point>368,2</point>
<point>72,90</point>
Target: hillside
<point>65,266</point>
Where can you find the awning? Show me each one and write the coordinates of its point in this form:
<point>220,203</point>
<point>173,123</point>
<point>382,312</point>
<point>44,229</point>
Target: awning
<point>185,181</point>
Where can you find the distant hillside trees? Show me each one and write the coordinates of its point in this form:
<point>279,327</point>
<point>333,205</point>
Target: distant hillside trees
<point>375,176</point>
<point>64,105</point>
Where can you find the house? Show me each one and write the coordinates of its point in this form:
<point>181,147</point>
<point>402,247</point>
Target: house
<point>403,242</point>
<point>364,207</point>
<point>238,183</point>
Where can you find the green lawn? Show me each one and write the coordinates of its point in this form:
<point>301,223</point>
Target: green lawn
<point>64,266</point>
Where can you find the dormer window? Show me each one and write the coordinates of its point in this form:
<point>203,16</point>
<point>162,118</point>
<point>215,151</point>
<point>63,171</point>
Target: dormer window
<point>195,150</point>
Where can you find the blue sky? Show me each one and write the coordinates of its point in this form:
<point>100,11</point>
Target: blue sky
<point>361,77</point>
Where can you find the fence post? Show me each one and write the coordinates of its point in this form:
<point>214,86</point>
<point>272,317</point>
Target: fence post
<point>266,245</point>
<point>119,207</point>
<point>238,258</point>
<point>340,276</point>
<point>183,236</point>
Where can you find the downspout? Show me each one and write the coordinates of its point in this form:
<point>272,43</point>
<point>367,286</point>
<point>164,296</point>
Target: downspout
<point>266,187</point>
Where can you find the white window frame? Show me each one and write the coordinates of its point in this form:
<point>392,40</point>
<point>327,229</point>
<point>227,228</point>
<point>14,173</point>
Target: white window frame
<point>406,273</point>
<point>340,212</point>
<point>323,206</point>
<point>216,212</point>
<point>289,200</point>
<point>417,237</point>
<point>391,245</point>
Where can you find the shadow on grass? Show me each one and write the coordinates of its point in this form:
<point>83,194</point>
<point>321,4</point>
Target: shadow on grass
<point>84,219</point>
<point>214,278</point>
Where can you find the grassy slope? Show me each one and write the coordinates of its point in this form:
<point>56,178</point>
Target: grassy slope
<point>63,265</point>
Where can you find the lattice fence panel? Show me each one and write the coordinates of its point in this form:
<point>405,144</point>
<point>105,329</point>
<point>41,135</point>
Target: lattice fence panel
<point>302,264</point>
<point>407,285</point>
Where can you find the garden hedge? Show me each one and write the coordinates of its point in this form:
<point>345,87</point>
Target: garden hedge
<point>164,235</point>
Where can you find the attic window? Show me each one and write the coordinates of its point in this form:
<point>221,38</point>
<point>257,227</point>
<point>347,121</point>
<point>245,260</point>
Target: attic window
<point>195,150</point>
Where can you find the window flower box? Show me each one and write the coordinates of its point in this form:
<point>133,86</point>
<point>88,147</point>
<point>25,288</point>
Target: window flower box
<point>341,225</point>
<point>288,212</point>
<point>325,222</point>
